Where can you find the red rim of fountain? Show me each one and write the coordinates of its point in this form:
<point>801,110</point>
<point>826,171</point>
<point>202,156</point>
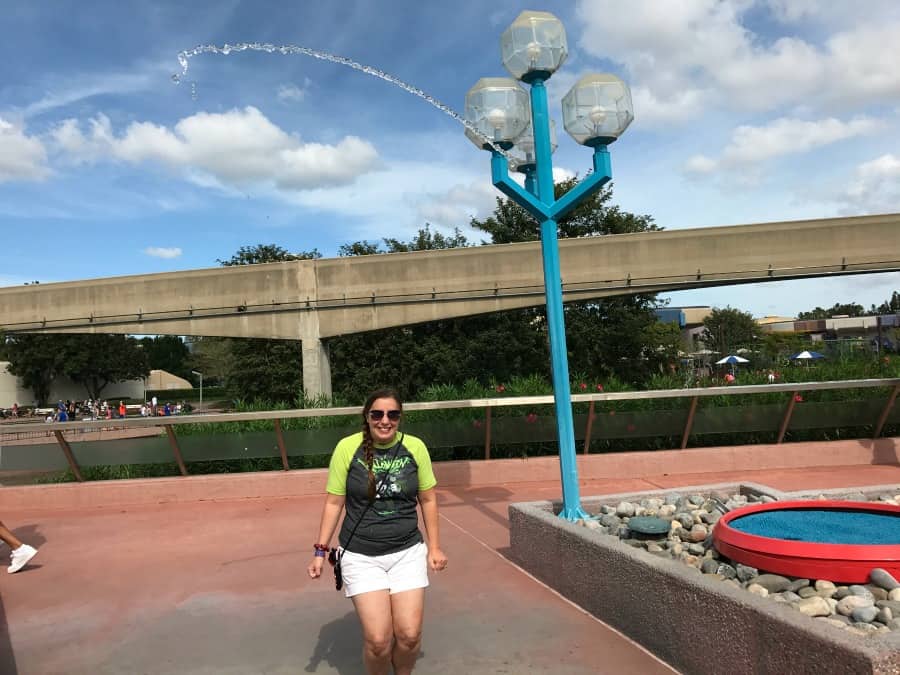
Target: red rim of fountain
<point>849,563</point>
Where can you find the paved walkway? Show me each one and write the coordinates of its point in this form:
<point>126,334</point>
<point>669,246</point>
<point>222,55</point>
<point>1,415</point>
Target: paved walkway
<point>220,587</point>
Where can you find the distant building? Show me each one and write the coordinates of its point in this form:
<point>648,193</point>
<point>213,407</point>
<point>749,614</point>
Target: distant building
<point>689,320</point>
<point>158,380</point>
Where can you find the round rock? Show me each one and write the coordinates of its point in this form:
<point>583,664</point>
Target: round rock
<point>883,579</point>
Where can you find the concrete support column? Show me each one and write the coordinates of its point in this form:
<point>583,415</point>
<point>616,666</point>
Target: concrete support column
<point>316,368</point>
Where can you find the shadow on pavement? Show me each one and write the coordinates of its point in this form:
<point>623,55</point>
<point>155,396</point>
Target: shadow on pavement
<point>340,646</point>
<point>7,658</point>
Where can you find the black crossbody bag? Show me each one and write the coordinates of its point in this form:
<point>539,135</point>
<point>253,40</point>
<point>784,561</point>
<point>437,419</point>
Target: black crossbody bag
<point>335,555</point>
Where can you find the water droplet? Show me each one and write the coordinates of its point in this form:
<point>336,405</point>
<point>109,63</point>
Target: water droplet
<point>176,78</point>
<point>194,91</point>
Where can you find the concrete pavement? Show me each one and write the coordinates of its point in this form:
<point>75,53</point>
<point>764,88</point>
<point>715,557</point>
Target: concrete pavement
<point>219,586</point>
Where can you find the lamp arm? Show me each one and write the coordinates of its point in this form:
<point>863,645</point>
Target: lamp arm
<point>502,181</point>
<point>601,175</point>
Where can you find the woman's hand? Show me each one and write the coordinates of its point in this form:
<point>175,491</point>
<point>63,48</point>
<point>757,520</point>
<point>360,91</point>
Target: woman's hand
<point>315,567</point>
<point>436,559</point>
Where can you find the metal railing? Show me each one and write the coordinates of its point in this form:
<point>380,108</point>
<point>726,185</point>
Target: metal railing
<point>63,432</point>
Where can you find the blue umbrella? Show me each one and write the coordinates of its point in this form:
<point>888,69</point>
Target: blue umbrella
<point>807,356</point>
<point>732,360</point>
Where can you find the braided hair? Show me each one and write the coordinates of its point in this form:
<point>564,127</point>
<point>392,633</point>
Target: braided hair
<point>368,442</point>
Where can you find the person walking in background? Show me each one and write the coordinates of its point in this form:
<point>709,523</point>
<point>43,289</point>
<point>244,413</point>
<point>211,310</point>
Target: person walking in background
<point>21,553</point>
<point>377,476</point>
<point>123,411</point>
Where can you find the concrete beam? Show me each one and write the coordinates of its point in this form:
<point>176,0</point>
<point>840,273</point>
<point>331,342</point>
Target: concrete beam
<point>313,299</point>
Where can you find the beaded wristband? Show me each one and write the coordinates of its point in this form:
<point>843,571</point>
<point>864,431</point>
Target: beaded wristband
<point>320,553</point>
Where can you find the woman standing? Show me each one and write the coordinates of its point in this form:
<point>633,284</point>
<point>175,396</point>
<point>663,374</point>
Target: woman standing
<point>378,475</point>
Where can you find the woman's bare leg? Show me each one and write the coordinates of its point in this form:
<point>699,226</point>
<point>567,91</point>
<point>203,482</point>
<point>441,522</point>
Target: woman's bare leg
<point>407,609</point>
<point>374,611</point>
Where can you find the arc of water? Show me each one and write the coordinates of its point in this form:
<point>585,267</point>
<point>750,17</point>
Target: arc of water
<point>185,56</point>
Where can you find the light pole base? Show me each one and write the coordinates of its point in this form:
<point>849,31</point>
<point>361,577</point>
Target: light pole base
<point>573,513</point>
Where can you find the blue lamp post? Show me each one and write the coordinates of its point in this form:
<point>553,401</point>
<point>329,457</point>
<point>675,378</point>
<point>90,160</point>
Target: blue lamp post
<point>595,112</point>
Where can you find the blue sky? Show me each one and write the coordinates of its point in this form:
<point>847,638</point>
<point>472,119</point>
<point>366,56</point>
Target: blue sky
<point>746,111</point>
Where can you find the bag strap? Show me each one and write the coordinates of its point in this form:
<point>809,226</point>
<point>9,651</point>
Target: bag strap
<point>377,490</point>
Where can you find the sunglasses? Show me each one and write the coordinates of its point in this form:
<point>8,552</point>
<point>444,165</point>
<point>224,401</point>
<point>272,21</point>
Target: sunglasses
<point>378,415</point>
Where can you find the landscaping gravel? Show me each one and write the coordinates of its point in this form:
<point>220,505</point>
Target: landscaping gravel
<point>863,609</point>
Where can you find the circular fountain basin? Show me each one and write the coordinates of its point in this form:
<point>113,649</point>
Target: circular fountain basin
<point>834,540</point>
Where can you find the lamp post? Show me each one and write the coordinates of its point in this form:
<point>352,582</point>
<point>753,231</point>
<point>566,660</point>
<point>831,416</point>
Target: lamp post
<point>595,112</point>
<point>200,407</point>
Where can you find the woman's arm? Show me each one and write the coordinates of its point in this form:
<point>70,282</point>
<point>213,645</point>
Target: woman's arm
<point>331,513</point>
<point>428,501</point>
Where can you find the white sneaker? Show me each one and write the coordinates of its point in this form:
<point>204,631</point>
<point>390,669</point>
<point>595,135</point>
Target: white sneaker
<point>20,557</point>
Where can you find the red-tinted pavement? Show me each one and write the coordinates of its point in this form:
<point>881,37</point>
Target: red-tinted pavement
<point>220,587</point>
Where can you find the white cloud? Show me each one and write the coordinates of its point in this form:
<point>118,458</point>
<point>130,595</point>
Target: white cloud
<point>22,157</point>
<point>456,206</point>
<point>162,252</point>
<point>875,187</point>
<point>237,148</point>
<point>61,94</point>
<point>704,46</point>
<point>752,145</point>
<point>291,93</point>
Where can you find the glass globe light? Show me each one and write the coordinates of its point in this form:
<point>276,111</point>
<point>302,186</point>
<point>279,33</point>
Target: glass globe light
<point>597,109</point>
<point>534,45</point>
<point>524,145</point>
<point>499,108</point>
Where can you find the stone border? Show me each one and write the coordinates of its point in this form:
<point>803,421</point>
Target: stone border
<point>692,622</point>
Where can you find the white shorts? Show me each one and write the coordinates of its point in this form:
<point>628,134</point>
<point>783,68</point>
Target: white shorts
<point>395,572</point>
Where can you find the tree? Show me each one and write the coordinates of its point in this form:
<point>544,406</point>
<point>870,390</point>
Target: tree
<point>425,240</point>
<point>167,352</point>
<point>265,370</point>
<point>726,330</point>
<point>891,306</point>
<point>266,253</point>
<point>210,356</point>
<point>93,361</point>
<point>849,309</point>
<point>37,359</point>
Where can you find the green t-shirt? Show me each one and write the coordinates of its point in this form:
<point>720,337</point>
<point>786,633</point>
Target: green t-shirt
<point>391,524</point>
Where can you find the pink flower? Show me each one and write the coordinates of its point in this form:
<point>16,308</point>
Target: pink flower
<point>798,398</point>
<point>531,418</point>
<point>500,388</point>
<point>476,424</point>
<point>583,386</point>
<point>599,387</point>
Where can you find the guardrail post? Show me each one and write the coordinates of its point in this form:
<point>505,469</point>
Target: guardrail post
<point>70,456</point>
<point>173,441</point>
<point>690,422</point>
<point>487,432</point>
<point>589,427</point>
<point>789,411</point>
<point>882,419</point>
<point>280,437</point>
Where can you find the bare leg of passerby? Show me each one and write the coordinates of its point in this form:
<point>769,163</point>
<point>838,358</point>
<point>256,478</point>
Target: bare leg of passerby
<point>9,537</point>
